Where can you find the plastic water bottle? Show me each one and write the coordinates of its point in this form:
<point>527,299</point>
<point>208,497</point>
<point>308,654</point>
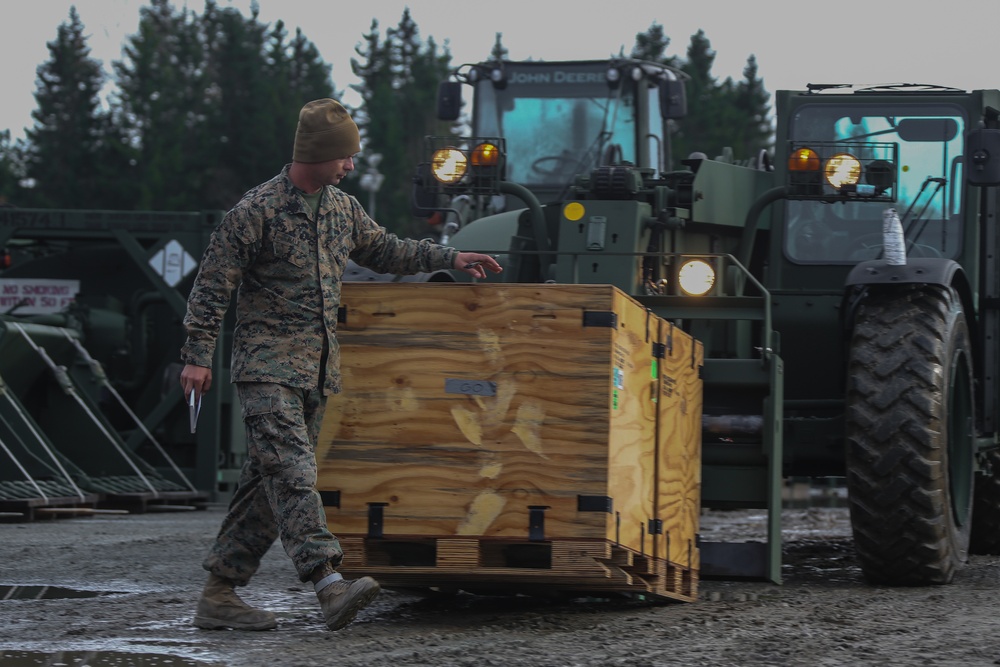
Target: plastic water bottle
<point>893,243</point>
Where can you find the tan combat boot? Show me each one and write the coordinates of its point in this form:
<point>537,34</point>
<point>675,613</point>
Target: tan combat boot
<point>341,599</point>
<point>220,607</point>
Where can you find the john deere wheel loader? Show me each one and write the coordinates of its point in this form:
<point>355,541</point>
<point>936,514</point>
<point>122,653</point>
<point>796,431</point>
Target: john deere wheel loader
<point>845,288</point>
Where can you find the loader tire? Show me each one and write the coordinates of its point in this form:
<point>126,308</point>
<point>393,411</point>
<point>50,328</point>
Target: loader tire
<point>910,435</point>
<point>985,538</point>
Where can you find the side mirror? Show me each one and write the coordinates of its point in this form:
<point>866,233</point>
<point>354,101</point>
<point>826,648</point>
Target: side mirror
<point>673,99</point>
<point>982,157</point>
<point>449,104</point>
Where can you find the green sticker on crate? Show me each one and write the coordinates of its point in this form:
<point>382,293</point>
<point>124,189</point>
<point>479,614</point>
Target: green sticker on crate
<point>614,399</point>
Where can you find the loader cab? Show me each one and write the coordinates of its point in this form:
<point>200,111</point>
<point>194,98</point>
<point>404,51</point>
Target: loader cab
<point>847,154</point>
<point>561,120</point>
<point>902,155</point>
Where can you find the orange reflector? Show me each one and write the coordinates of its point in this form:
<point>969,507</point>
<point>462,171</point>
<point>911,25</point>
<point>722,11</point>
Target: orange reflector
<point>485,155</point>
<point>803,159</point>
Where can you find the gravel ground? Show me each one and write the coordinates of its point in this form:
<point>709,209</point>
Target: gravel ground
<point>147,567</point>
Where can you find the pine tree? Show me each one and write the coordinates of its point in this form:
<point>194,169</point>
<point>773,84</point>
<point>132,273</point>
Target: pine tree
<point>161,86</point>
<point>11,171</point>
<point>753,102</point>
<point>652,46</point>
<point>499,52</point>
<point>296,74</point>
<point>696,131</point>
<point>234,117</point>
<point>310,76</point>
<point>72,148</point>
<point>399,78</point>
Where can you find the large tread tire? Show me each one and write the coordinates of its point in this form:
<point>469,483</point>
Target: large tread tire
<point>910,435</point>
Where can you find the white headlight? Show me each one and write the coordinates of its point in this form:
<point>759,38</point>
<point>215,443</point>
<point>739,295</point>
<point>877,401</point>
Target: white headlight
<point>449,165</point>
<point>696,277</point>
<point>842,169</point>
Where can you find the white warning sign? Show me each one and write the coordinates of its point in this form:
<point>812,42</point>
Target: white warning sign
<point>173,263</point>
<point>36,296</point>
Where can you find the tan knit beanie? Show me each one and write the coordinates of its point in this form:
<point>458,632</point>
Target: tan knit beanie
<point>325,132</point>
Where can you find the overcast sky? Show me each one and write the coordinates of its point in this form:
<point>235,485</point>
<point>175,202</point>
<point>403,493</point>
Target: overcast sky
<point>951,43</point>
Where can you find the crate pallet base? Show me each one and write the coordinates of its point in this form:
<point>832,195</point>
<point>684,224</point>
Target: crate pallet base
<point>583,567</point>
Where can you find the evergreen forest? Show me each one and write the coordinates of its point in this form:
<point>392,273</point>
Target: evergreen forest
<point>204,106</point>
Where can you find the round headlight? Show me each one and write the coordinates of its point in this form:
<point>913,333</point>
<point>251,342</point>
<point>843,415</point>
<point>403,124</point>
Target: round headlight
<point>696,277</point>
<point>449,165</point>
<point>842,169</point>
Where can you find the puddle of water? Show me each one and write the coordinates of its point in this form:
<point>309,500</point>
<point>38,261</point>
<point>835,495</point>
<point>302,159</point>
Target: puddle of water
<point>93,659</point>
<point>46,593</point>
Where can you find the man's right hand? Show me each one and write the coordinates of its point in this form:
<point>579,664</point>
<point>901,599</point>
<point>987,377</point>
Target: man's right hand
<point>197,379</point>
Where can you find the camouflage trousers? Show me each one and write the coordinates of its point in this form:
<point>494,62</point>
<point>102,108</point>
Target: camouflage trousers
<point>277,494</point>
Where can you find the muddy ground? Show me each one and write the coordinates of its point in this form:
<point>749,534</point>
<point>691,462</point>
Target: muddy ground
<point>146,568</point>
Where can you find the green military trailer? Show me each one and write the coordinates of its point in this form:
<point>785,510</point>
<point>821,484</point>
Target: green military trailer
<point>845,286</point>
<point>91,412</point>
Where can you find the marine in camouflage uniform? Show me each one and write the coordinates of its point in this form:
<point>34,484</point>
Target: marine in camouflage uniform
<point>285,250</point>
<point>286,263</point>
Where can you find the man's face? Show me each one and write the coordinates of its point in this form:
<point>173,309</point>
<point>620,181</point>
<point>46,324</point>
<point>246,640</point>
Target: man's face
<point>336,170</point>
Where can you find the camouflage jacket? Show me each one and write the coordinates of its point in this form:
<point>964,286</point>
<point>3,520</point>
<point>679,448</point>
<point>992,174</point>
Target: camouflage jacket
<point>287,264</point>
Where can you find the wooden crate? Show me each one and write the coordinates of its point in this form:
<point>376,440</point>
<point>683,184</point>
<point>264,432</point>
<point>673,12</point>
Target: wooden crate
<point>501,416</point>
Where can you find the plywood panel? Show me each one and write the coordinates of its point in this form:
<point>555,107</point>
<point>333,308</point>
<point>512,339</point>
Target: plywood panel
<point>678,492</point>
<point>632,432</point>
